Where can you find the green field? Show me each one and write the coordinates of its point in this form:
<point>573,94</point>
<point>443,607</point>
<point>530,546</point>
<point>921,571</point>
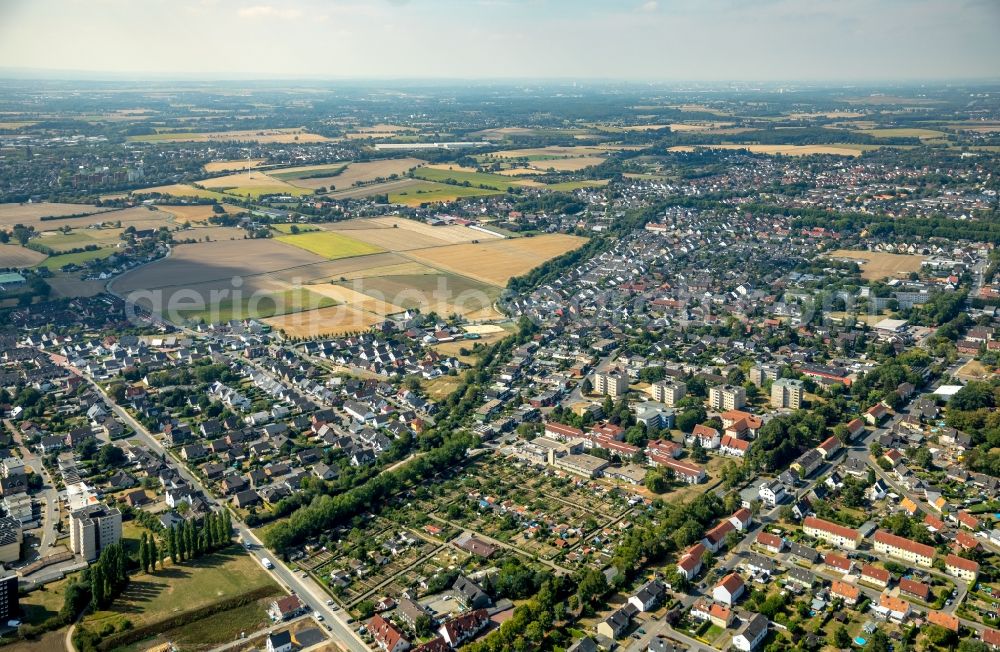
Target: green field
<point>220,628</point>
<point>576,185</point>
<point>475,179</point>
<point>151,599</point>
<point>287,228</point>
<point>430,191</point>
<point>270,305</point>
<point>54,263</point>
<point>325,171</point>
<point>330,245</point>
<point>63,241</point>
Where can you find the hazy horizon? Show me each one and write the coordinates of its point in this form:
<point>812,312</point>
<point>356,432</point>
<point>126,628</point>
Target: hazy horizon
<point>438,40</point>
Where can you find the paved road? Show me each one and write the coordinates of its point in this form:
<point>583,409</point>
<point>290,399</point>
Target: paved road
<point>305,588</point>
<point>50,510</point>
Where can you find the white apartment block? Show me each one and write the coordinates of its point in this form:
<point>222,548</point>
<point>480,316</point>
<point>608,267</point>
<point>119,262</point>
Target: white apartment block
<point>726,397</point>
<point>94,528</point>
<point>786,393</point>
<point>668,393</point>
<point>610,384</point>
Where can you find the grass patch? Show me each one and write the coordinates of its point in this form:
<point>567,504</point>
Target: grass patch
<point>430,192</point>
<point>330,245</point>
<point>286,229</point>
<point>221,627</point>
<point>44,602</point>
<point>169,593</point>
<point>268,305</point>
<point>315,173</point>
<point>475,179</point>
<point>576,185</point>
<point>55,263</point>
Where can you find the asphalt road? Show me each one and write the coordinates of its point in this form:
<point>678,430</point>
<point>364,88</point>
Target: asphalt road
<point>307,589</point>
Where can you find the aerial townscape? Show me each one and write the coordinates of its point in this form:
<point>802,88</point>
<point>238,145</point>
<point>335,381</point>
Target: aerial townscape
<point>572,364</point>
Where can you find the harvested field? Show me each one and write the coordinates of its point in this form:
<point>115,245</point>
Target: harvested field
<point>190,264</point>
<point>334,320</point>
<point>181,190</point>
<point>345,295</point>
<point>698,127</point>
<point>569,164</point>
<point>496,261</point>
<point>248,136</point>
<point>335,270</point>
<point>786,150</point>
<point>32,214</point>
<point>189,212</point>
<point>904,133</point>
<point>400,234</point>
<point>12,255</point>
<point>232,166</point>
<point>438,292</point>
<point>356,173</point>
<point>450,234</point>
<point>877,265</point>
<point>567,186</point>
<point>518,172</point>
<point>330,245</point>
<point>408,267</point>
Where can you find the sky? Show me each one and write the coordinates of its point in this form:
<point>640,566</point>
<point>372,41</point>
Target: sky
<point>629,40</point>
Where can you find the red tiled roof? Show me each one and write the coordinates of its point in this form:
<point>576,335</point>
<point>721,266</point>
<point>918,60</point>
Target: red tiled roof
<point>731,583</point>
<point>890,539</point>
<point>948,621</point>
<point>913,587</point>
<point>966,540</point>
<point>832,528</point>
<point>961,563</point>
<point>845,590</point>
<point>875,572</point>
<point>837,561</point>
<point>384,632</point>
<point>769,540</point>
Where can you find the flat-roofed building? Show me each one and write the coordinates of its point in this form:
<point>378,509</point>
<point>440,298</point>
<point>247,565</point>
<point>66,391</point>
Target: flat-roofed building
<point>94,528</point>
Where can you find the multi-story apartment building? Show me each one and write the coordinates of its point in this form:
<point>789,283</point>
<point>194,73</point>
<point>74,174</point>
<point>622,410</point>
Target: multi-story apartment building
<point>786,393</point>
<point>668,392</point>
<point>903,548</point>
<point>838,535</point>
<point>726,397</point>
<point>613,383</point>
<point>94,528</point>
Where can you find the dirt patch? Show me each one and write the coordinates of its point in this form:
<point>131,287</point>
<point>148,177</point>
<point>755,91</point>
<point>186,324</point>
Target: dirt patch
<point>877,265</point>
<point>333,320</point>
<point>12,255</point>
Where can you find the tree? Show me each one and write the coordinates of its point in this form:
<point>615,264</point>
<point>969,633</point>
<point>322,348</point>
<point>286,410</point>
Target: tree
<point>97,586</point>
<point>841,638</point>
<point>586,386</point>
<point>172,544</point>
<point>424,625</point>
<point>655,482</point>
<point>698,453</point>
<point>110,456</point>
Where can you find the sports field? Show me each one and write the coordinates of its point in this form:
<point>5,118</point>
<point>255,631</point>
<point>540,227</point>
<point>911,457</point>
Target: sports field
<point>876,265</point>
<point>330,245</point>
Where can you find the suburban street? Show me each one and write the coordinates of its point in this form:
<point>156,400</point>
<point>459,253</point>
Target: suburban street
<point>305,588</point>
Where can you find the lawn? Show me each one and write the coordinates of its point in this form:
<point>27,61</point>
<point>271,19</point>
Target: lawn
<point>429,192</point>
<point>475,179</point>
<point>54,263</point>
<point>441,387</point>
<point>151,599</point>
<point>45,602</point>
<point>330,245</point>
